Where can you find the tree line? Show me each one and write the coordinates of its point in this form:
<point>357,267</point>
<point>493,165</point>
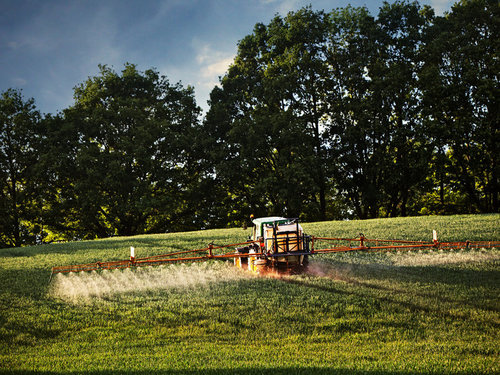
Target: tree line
<point>321,115</point>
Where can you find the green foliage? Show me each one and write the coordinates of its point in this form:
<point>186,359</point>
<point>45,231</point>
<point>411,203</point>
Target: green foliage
<point>460,81</point>
<point>130,160</point>
<point>347,108</point>
<point>368,313</point>
<point>357,132</point>
<point>19,141</point>
<point>271,154</point>
<point>321,116</point>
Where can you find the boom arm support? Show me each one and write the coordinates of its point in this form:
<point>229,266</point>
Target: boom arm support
<point>221,252</point>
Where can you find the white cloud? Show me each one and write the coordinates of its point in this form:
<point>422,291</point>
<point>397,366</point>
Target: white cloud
<point>204,52</point>
<point>217,68</point>
<point>202,70</point>
<point>439,6</point>
<point>207,56</point>
<point>211,63</point>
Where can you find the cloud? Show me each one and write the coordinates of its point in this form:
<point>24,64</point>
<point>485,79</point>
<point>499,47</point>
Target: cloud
<point>440,6</point>
<point>282,6</point>
<point>13,45</point>
<point>204,52</point>
<point>18,81</point>
<point>202,70</point>
<point>217,68</point>
<point>212,63</point>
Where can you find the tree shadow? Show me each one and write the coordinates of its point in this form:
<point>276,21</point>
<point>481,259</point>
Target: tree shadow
<point>32,283</point>
<point>367,278</point>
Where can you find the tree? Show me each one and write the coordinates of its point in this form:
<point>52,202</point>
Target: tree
<point>265,120</point>
<point>127,163</point>
<point>462,97</point>
<point>303,66</point>
<point>356,135</point>
<point>19,135</point>
<point>376,133</point>
<point>402,27</point>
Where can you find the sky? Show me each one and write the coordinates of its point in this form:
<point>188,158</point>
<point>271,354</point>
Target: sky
<point>47,47</point>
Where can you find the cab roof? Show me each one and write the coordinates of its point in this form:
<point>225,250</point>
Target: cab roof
<point>268,220</point>
<point>261,221</point>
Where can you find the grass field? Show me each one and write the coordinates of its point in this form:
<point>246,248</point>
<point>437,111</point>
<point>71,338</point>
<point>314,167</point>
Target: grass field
<point>430,312</point>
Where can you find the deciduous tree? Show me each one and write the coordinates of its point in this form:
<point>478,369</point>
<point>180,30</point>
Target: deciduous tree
<point>130,159</point>
<point>19,122</point>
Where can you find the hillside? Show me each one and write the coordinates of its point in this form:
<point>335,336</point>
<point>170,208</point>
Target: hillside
<point>379,313</point>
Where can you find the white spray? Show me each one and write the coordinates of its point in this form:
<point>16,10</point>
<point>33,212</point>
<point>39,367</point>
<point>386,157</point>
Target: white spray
<point>83,286</point>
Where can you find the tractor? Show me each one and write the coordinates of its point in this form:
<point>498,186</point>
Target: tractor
<point>275,242</point>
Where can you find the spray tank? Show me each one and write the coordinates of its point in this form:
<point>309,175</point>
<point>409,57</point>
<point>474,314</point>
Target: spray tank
<point>275,242</point>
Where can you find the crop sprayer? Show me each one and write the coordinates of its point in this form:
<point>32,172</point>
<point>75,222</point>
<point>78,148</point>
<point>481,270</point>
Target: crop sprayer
<point>277,243</point>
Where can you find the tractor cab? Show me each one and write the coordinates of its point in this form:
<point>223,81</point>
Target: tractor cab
<point>276,242</point>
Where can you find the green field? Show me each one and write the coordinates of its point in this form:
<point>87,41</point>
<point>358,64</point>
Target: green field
<point>428,312</point>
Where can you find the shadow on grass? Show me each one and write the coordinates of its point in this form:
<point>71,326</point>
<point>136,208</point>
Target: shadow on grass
<point>446,275</point>
<point>479,304</point>
<point>32,283</point>
<point>464,279</point>
<point>365,277</point>
<point>245,371</point>
<point>452,276</point>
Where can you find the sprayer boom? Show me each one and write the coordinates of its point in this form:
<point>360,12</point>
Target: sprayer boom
<point>277,242</point>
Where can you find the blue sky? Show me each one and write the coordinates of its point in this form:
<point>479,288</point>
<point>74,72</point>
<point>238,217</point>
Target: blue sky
<point>47,47</point>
